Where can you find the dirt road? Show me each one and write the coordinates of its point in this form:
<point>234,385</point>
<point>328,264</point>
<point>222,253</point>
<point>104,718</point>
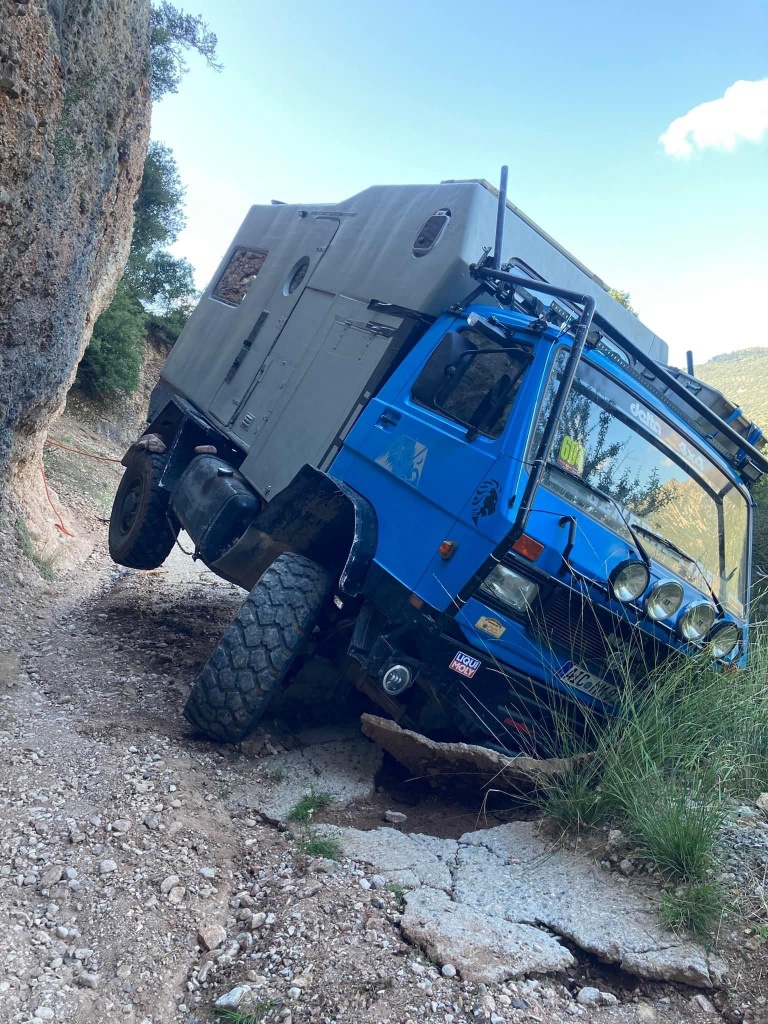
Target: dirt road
<point>138,882</point>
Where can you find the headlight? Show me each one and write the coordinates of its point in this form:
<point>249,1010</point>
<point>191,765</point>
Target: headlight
<point>696,621</point>
<point>510,589</point>
<point>628,581</point>
<point>724,639</point>
<point>664,600</point>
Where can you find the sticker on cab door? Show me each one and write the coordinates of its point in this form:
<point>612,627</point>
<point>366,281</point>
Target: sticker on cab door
<point>405,459</point>
<point>491,626</point>
<point>464,665</point>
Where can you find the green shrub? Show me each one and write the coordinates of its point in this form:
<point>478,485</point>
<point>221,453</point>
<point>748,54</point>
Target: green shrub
<point>574,799</point>
<point>257,1015</point>
<point>308,805</point>
<point>677,822</point>
<point>697,907</point>
<point>112,362</point>
<point>321,846</point>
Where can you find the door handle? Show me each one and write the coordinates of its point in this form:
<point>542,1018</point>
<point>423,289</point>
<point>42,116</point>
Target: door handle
<point>388,419</point>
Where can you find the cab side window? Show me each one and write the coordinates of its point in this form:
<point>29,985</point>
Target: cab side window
<point>473,380</point>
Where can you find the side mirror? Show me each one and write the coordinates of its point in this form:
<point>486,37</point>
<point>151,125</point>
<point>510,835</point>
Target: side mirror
<point>446,366</point>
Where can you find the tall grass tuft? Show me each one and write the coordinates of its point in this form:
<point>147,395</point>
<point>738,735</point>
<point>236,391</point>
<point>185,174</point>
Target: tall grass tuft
<point>685,743</point>
<point>697,907</point>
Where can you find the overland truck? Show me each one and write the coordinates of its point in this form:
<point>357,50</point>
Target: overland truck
<point>447,464</point>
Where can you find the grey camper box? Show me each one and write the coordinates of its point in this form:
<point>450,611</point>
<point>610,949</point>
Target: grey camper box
<point>294,330</point>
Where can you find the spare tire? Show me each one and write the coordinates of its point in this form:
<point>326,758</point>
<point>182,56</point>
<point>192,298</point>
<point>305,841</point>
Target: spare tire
<point>140,532</point>
<point>258,648</point>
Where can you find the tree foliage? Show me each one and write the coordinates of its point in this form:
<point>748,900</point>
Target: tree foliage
<point>112,362</point>
<point>159,206</point>
<point>157,278</point>
<point>172,33</point>
<point>155,295</point>
<point>623,298</point>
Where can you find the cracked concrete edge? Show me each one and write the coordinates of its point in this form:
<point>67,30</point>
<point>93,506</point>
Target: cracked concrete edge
<point>464,762</point>
<point>483,948</point>
<point>396,856</point>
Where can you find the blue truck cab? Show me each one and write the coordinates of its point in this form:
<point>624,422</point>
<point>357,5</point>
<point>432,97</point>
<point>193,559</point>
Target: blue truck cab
<point>486,513</point>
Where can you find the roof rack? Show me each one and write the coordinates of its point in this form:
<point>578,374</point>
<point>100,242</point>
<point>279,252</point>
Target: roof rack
<point>705,409</point>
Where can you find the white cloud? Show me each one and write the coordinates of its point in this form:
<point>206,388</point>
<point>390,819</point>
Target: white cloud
<point>741,114</point>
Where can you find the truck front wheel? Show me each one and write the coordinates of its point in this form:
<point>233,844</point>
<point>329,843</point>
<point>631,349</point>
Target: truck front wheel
<point>258,648</point>
<point>140,533</point>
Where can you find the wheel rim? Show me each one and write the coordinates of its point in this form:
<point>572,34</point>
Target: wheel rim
<point>130,507</point>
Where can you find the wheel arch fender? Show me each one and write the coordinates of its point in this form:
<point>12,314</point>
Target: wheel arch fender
<point>317,516</point>
<point>363,546</point>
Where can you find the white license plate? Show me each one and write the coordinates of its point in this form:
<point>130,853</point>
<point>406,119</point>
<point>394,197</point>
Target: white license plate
<point>580,679</point>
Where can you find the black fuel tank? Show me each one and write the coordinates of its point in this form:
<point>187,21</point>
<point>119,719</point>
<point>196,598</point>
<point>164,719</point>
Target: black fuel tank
<point>214,504</point>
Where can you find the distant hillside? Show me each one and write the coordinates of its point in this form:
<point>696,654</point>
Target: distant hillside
<point>742,377</point>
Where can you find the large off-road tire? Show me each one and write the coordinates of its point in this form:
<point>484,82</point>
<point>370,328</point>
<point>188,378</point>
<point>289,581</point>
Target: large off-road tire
<point>140,533</point>
<point>258,648</point>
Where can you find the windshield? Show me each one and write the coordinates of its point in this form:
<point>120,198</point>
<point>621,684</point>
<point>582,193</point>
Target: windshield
<point>611,450</point>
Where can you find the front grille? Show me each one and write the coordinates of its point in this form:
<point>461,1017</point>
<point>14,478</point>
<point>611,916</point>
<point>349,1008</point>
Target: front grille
<point>591,634</point>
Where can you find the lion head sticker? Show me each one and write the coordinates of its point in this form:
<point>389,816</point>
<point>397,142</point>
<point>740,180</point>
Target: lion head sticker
<point>485,499</point>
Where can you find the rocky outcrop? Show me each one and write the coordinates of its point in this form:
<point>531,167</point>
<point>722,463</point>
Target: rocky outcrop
<point>74,124</point>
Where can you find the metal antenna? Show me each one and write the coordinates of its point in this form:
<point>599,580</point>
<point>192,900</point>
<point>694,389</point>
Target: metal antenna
<point>689,362</point>
<point>500,212</point>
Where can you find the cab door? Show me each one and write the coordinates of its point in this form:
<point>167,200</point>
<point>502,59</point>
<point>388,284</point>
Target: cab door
<point>426,450</point>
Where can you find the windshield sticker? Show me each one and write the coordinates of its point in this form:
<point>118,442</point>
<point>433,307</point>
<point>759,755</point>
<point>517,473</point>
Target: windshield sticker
<point>571,456</point>
<point>485,499</point>
<point>646,417</point>
<point>464,665</point>
<point>687,452</point>
<point>405,459</point>
<point>491,626</point>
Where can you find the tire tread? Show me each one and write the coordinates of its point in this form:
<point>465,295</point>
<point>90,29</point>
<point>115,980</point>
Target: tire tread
<point>258,648</point>
<point>148,545</point>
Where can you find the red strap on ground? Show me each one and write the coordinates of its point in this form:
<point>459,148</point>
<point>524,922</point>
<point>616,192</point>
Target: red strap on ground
<point>60,525</point>
<point>77,451</point>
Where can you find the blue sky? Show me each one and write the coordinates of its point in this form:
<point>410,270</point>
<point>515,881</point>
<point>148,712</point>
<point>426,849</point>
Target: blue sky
<point>320,100</point>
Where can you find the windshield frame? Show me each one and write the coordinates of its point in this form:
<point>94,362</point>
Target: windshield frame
<point>694,446</point>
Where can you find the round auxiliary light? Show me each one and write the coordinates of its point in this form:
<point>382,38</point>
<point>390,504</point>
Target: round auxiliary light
<point>664,600</point>
<point>724,640</point>
<point>696,621</point>
<point>628,581</point>
<point>396,679</point>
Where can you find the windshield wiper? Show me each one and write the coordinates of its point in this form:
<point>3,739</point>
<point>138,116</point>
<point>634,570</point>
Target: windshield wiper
<point>683,554</point>
<point>641,549</point>
<point>667,543</point>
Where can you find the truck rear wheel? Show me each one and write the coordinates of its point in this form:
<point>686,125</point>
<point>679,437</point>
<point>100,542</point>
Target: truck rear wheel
<point>258,648</point>
<point>140,534</point>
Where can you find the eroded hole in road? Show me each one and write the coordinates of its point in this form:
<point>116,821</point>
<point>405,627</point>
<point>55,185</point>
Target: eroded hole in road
<point>432,806</point>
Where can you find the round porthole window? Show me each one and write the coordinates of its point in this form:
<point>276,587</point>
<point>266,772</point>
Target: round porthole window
<point>296,276</point>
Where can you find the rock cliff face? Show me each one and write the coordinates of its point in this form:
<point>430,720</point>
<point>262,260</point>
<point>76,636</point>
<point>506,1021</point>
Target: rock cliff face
<point>74,125</point>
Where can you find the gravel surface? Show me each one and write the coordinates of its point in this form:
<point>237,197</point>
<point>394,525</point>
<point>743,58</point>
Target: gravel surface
<point>136,885</point>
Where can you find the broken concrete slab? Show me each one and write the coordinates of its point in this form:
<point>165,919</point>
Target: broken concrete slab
<point>483,948</point>
<point>398,857</point>
<point>345,769</point>
<point>460,763</point>
<point>512,873</point>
